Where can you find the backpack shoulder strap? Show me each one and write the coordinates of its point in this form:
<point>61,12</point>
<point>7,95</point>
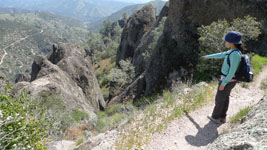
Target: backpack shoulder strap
<point>228,58</point>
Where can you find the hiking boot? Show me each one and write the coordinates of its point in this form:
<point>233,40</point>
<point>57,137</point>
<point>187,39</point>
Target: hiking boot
<point>217,121</point>
<point>223,120</point>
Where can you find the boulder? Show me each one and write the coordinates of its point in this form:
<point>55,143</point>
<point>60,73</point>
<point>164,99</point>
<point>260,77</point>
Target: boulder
<point>250,135</point>
<point>67,73</point>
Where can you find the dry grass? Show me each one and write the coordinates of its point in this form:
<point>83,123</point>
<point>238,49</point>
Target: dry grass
<point>156,117</point>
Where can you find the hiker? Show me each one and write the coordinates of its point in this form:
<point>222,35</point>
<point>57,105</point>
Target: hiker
<point>227,81</point>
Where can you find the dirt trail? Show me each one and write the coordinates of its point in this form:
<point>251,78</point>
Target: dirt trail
<point>16,42</point>
<point>194,131</point>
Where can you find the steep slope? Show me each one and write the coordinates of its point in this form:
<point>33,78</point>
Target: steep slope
<point>195,131</point>
<point>23,35</point>
<point>177,50</point>
<point>66,72</point>
<point>137,25</point>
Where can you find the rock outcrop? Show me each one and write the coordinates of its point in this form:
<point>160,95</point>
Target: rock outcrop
<point>178,48</point>
<point>140,60</point>
<point>137,25</point>
<point>148,42</point>
<point>68,73</point>
<point>250,135</point>
<point>23,77</point>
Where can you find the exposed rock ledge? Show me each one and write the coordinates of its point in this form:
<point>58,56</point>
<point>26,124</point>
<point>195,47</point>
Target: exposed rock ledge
<point>66,72</point>
<point>250,135</point>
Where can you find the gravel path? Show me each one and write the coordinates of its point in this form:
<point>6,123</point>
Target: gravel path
<point>194,131</point>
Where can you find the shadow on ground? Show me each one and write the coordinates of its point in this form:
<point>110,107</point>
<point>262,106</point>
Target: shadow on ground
<point>205,135</point>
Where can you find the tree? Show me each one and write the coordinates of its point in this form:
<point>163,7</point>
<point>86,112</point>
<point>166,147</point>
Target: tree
<point>211,41</point>
<point>105,30</point>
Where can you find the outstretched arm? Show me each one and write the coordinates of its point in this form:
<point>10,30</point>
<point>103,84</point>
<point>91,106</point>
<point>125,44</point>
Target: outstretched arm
<point>217,55</point>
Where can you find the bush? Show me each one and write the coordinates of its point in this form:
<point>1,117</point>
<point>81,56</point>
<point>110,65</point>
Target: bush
<point>211,42</point>
<point>58,115</point>
<point>123,75</point>
<point>23,125</point>
<point>79,115</point>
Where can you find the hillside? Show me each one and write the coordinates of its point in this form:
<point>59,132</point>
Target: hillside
<point>87,10</point>
<point>129,10</point>
<point>23,35</point>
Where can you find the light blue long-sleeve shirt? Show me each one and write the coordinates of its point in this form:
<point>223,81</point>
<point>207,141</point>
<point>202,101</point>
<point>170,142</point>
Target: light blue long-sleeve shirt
<point>235,59</point>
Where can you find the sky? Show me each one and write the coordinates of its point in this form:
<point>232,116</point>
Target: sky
<point>136,1</point>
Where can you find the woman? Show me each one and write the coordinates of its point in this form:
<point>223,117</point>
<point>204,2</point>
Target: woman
<point>227,81</point>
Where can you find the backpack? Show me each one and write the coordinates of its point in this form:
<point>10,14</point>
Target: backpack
<point>243,72</point>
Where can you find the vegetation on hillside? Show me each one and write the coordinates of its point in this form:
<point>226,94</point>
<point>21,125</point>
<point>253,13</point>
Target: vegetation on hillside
<point>258,63</point>
<point>211,42</point>
<point>24,35</point>
<point>23,124</point>
<point>103,47</point>
<point>86,10</point>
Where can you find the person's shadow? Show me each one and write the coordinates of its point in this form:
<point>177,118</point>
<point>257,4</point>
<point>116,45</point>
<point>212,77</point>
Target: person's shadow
<point>205,135</point>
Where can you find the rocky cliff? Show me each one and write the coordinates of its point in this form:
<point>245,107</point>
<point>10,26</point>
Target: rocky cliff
<point>141,52</point>
<point>250,135</point>
<point>68,73</point>
<point>145,48</point>
<point>137,25</point>
<point>177,50</point>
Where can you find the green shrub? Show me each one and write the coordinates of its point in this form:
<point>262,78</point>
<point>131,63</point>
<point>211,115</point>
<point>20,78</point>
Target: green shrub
<point>123,75</point>
<point>112,109</point>
<point>23,124</point>
<point>106,122</point>
<point>79,115</point>
<point>58,115</point>
<point>211,42</point>
<point>258,62</point>
<point>146,100</point>
<point>113,115</point>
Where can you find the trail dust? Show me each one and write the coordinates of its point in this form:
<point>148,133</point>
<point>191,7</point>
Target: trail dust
<point>16,42</point>
<point>195,131</point>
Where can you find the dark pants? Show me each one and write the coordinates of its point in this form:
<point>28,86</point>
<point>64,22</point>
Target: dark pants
<point>222,100</point>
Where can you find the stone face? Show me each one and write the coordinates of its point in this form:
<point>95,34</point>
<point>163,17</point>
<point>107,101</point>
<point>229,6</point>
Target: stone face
<point>137,25</point>
<point>250,135</point>
<point>23,77</point>
<point>68,73</point>
<point>177,50</point>
<point>139,61</point>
